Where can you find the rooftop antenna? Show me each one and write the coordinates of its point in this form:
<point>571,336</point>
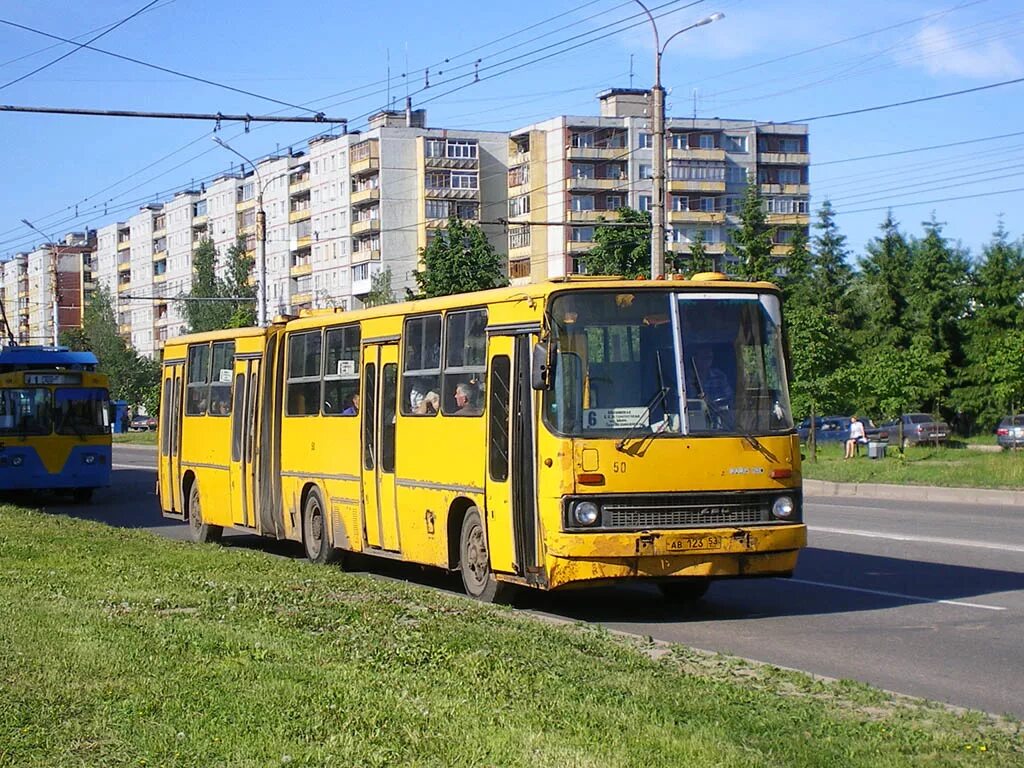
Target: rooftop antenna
<point>387,58</point>
<point>694,103</point>
<point>406,73</point>
<point>631,70</point>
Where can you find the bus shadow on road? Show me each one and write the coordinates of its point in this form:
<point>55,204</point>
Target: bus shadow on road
<point>826,582</point>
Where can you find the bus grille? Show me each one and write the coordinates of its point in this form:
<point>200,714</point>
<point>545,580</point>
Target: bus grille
<point>667,515</point>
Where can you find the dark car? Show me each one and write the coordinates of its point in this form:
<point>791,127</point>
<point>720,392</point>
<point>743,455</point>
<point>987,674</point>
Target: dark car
<point>142,423</point>
<point>1010,432</point>
<point>836,429</point>
<point>918,428</point>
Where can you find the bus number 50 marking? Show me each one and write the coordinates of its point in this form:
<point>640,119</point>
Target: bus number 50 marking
<point>619,467</point>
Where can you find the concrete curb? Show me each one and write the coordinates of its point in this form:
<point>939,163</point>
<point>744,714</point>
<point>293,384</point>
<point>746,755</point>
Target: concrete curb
<point>1008,498</point>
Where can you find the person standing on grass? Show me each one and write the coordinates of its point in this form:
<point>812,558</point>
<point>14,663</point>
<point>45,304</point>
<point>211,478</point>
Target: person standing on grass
<point>856,436</point>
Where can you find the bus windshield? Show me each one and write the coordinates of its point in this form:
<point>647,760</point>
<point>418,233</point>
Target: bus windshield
<point>81,411</point>
<point>25,411</point>
<point>621,358</point>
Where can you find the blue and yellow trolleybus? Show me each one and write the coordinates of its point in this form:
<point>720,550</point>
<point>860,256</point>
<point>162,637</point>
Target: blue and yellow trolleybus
<point>54,421</point>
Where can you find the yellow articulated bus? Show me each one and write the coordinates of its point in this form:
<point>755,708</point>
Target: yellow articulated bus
<point>567,433</point>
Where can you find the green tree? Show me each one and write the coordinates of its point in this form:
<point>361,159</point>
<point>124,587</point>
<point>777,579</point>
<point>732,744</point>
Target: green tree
<point>459,259</point>
<point>752,240</point>
<point>133,378</point>
<point>830,272</point>
<point>698,260</point>
<point>796,280</point>
<point>892,381</point>
<point>623,247</point>
<point>381,291</point>
<point>74,339</point>
<point>236,284</point>
<point>882,288</point>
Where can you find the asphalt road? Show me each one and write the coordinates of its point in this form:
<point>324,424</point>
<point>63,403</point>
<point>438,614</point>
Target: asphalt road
<point>922,599</point>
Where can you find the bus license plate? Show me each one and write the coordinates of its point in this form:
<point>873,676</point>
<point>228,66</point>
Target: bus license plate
<point>695,542</point>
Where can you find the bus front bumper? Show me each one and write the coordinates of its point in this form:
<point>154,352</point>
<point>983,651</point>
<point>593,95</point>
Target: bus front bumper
<point>696,553</point>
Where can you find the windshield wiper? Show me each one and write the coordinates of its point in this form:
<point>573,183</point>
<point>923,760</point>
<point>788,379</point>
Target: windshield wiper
<point>754,442</point>
<point>653,403</point>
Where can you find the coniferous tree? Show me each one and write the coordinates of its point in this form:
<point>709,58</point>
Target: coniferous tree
<point>752,240</point>
<point>381,291</point>
<point>830,273</point>
<point>883,287</point>
<point>698,259</point>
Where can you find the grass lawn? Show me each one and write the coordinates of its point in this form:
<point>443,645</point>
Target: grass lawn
<point>125,649</point>
<point>950,467</point>
<point>135,438</point>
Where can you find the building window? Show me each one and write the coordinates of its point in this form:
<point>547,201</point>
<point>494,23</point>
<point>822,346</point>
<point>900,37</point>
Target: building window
<point>646,171</point>
<point>680,203</point>
<point>434,147</point>
<point>519,237</point>
<point>644,141</point>
<point>790,145</point>
<point>612,202</point>
<point>696,171</point>
<point>680,141</point>
<point>707,141</point>
<point>519,206</point>
<point>582,234</point>
<point>582,171</point>
<point>462,149</point>
<point>437,209</point>
<point>707,204</point>
<point>735,174</point>
<point>582,202</point>
<point>734,143</point>
<point>644,203</point>
<point>463,180</point>
<point>582,140</point>
<point>789,176</point>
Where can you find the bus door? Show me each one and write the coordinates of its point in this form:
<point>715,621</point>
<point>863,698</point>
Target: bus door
<point>380,404</point>
<point>511,458</point>
<point>170,438</point>
<point>243,436</point>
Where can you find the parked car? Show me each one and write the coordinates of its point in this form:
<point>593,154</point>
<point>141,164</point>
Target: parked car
<point>829,429</point>
<point>142,423</point>
<point>1010,432</point>
<point>918,428</point>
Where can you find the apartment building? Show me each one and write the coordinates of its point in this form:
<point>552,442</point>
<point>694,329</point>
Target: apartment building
<point>566,173</point>
<point>52,282</point>
<point>336,215</point>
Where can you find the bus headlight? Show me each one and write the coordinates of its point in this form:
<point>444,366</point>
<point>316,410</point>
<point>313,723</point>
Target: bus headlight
<point>585,513</point>
<point>783,508</point>
<point>90,458</point>
<point>17,460</point>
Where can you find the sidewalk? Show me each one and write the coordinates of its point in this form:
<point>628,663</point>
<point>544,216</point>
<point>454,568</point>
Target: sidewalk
<point>992,496</point>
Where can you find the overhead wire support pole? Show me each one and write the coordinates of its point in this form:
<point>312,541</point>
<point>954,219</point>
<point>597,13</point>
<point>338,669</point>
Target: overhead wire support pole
<point>320,117</point>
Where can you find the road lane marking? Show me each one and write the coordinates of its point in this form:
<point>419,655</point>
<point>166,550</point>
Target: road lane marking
<point>883,593</point>
<point>133,466</point>
<point>918,539</point>
<point>856,507</point>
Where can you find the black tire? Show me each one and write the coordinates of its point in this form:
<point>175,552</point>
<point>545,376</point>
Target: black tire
<point>475,563</point>
<point>315,538</point>
<point>199,531</point>
<point>82,495</point>
<point>684,592</point>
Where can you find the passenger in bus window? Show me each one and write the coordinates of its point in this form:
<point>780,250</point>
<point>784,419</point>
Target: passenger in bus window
<point>353,406</point>
<point>706,381</point>
<point>465,400</point>
<point>422,399</point>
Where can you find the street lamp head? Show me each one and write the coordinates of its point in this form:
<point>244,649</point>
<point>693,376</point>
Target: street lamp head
<point>708,19</point>
<point>217,140</point>
<point>27,223</point>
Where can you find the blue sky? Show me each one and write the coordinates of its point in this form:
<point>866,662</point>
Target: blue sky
<point>767,62</point>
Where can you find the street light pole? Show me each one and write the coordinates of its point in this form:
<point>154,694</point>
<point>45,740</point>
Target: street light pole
<point>659,207</point>
<point>54,264</point>
<point>261,240</point>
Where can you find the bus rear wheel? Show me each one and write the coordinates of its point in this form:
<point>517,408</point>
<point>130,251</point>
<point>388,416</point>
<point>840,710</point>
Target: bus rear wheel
<point>199,531</point>
<point>475,563</point>
<point>315,538</point>
<point>684,592</point>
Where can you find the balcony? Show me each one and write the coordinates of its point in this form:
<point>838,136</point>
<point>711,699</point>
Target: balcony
<point>366,254</point>
<point>126,285</point>
<point>300,269</point>
<point>245,204</point>
<point>590,217</point>
<point>788,219</point>
<point>364,196</point>
<point>199,221</point>
<point>785,189</point>
<point>300,215</point>
<point>783,158</point>
<point>301,298</point>
<point>124,266</point>
<point>125,329</point>
<point>689,185</point>
<point>696,217</point>
<point>298,183</point>
<point>518,158</point>
<point>160,321</point>
<point>578,246</point>
<point>780,249</point>
<point>706,155</point>
<point>576,183</point>
<point>160,255</point>
<point>124,244</point>
<point>365,226</point>
<point>162,277</point>
<point>597,153</point>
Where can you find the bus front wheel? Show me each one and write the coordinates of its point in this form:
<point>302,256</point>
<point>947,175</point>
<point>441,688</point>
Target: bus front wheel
<point>315,539</point>
<point>199,531</point>
<point>475,562</point>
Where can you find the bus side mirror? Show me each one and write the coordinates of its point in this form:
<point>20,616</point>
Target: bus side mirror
<point>542,372</point>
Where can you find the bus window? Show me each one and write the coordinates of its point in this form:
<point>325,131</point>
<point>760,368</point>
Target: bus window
<point>81,411</point>
<point>304,374</point>
<point>501,396</point>
<point>341,371</point>
<point>421,376</point>
<point>369,415</point>
<point>25,411</point>
<point>198,380</point>
<point>389,392</point>
<point>220,378</point>
<point>465,363</point>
